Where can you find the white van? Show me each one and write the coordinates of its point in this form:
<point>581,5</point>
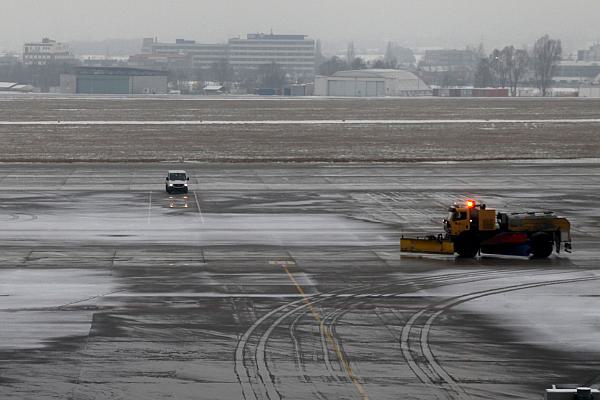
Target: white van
<point>177,181</point>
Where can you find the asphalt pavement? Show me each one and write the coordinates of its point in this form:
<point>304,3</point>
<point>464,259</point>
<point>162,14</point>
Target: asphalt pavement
<point>285,281</point>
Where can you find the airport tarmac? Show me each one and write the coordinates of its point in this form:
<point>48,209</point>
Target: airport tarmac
<point>285,281</point>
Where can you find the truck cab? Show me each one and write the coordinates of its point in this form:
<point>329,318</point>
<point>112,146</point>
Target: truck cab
<point>177,182</point>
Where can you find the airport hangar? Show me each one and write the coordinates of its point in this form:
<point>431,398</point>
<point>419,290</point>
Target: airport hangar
<point>371,83</point>
<point>114,80</point>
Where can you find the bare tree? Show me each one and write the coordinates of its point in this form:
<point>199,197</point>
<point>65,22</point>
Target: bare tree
<point>379,64</point>
<point>221,71</point>
<point>319,58</point>
<point>350,53</point>
<point>483,75</point>
<point>519,64</point>
<point>546,54</point>
<point>333,65</point>
<point>271,76</point>
<point>396,55</point>
<point>358,63</point>
<point>389,60</point>
<point>499,66</point>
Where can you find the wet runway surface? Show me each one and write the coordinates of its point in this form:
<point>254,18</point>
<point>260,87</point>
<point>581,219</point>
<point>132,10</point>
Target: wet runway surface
<point>286,282</point>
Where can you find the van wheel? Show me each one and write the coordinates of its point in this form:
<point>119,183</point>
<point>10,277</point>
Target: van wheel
<point>466,245</point>
<point>541,245</point>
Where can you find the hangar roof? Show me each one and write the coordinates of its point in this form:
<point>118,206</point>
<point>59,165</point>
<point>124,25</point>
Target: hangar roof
<point>376,73</point>
<point>127,71</point>
<point>7,85</point>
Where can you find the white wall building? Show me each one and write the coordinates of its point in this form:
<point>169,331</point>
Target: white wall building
<point>371,83</point>
<point>199,55</point>
<point>294,53</point>
<point>45,52</point>
<point>591,90</point>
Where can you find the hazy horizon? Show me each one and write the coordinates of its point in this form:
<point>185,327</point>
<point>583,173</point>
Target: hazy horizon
<point>428,23</point>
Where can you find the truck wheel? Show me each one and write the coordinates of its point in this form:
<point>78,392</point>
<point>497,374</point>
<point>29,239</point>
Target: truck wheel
<point>541,245</point>
<point>466,245</point>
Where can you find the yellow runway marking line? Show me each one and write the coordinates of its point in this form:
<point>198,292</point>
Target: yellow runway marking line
<point>326,330</point>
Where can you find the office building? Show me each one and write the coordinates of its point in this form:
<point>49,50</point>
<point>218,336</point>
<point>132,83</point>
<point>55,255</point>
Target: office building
<point>294,53</point>
<point>46,52</point>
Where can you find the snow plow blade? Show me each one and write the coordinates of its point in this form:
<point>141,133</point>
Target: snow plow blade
<point>431,245</point>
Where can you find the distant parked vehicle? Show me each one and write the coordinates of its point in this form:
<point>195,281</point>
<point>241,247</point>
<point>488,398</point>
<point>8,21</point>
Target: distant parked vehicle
<point>177,181</point>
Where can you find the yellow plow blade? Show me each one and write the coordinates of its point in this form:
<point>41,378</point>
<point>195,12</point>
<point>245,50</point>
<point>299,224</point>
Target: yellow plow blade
<point>433,246</point>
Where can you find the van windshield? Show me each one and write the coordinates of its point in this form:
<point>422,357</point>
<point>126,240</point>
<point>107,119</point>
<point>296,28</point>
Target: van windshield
<point>178,176</point>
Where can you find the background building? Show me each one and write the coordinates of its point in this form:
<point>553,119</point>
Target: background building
<point>114,80</point>
<point>8,59</point>
<point>46,52</point>
<point>294,53</point>
<point>591,54</point>
<point>448,67</point>
<point>371,83</point>
<point>183,53</point>
<point>575,73</point>
<point>15,87</point>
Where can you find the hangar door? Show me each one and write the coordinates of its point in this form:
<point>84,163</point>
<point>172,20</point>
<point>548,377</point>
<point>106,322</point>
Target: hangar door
<point>341,87</point>
<point>103,84</point>
<point>356,88</point>
<point>374,88</point>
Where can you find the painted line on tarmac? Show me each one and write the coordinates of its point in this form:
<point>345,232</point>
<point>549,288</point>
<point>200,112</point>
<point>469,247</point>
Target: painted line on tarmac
<point>198,205</point>
<point>149,206</point>
<point>314,122</point>
<point>325,329</point>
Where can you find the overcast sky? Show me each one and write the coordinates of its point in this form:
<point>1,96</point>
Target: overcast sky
<point>415,23</point>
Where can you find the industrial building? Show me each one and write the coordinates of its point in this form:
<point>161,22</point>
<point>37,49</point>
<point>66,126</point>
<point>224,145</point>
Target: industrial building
<point>371,83</point>
<point>46,52</point>
<point>114,80</point>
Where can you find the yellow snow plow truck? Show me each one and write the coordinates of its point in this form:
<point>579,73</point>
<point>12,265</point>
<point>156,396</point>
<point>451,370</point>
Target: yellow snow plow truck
<point>473,229</point>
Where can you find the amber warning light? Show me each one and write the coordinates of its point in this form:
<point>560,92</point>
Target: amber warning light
<point>470,203</point>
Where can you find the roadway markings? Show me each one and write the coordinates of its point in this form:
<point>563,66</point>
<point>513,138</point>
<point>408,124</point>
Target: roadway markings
<point>149,207</point>
<point>198,205</point>
<point>313,122</point>
<point>244,366</point>
<point>325,330</point>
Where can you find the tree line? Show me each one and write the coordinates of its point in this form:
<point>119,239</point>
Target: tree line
<point>508,67</point>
